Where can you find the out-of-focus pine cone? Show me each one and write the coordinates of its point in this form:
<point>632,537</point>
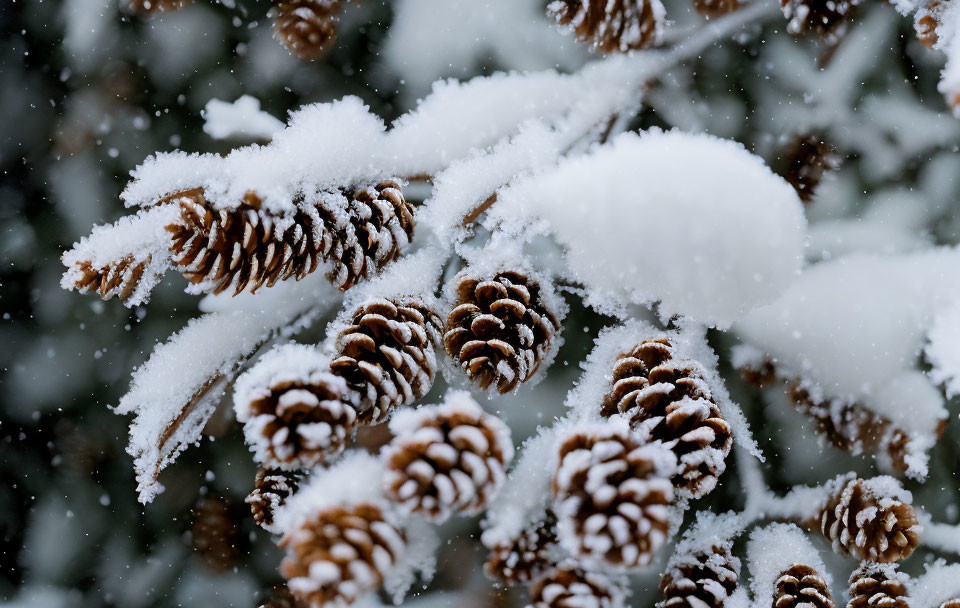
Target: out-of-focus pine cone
<point>927,20</point>
<point>528,555</point>
<point>952,603</point>
<point>447,459</point>
<point>501,328</point>
<point>339,554</point>
<point>273,488</point>
<point>700,580</point>
<point>387,354</point>
<point>308,28</point>
<point>155,6</point>
<point>801,586</point>
<point>612,495</point>
<point>827,19</point>
<point>295,418</point>
<point>570,586</point>
<point>869,519</point>
<point>216,534</point>
<point>804,161</point>
<point>119,279</point>
<point>612,25</point>
<point>282,598</point>
<point>667,399</point>
<point>877,586</point>
<point>716,8</point>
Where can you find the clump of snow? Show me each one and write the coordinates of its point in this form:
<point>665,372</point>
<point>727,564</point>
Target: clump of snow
<point>660,235</point>
<point>774,549</point>
<point>943,349</point>
<point>711,530</point>
<point>526,492</point>
<point>852,330</point>
<point>940,583</point>
<point>688,341</point>
<point>175,392</point>
<point>241,118</point>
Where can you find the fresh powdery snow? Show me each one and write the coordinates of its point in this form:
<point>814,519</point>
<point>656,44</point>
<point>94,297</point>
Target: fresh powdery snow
<point>242,118</point>
<point>854,329</point>
<point>940,583</point>
<point>943,349</point>
<point>772,550</point>
<point>707,248</point>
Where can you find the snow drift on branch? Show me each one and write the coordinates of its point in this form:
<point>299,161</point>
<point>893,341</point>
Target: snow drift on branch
<point>241,118</point>
<point>692,221</point>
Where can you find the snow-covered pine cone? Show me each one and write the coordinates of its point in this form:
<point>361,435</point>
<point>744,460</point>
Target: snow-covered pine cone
<point>339,554</point>
<point>528,555</point>
<point>215,534</point>
<point>296,412</point>
<point>119,279</point>
<point>247,247</point>
<point>568,585</point>
<point>501,327</point>
<point>877,586</point>
<point>804,161</point>
<point>155,6</point>
<point>824,18</point>
<point>868,520</point>
<point>271,490</point>
<point>387,354</point>
<point>308,28</point>
<point>667,399</point>
<point>951,603</point>
<point>446,459</point>
<point>927,20</point>
<point>716,8</point>
<point>801,586</point>
<point>612,25</point>
<point>700,580</point>
<point>612,495</point>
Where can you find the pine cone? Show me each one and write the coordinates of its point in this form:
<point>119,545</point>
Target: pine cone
<point>340,554</point>
<point>927,20</point>
<point>447,459</point>
<point>868,519</point>
<point>716,8</point>
<point>877,586</point>
<point>612,25</point>
<point>805,161</point>
<point>952,603</point>
<point>528,555</point>
<point>501,328</point>
<point>612,495</point>
<point>700,580</point>
<point>387,354</point>
<point>282,598</point>
<point>155,6</point>
<point>308,28</point>
<point>569,586</point>
<point>801,586</point>
<point>294,417</point>
<point>120,279</point>
<point>824,18</point>
<point>273,488</point>
<point>216,534</point>
<point>667,399</point>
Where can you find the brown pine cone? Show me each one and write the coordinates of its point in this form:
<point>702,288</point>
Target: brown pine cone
<point>927,20</point>
<point>877,586</point>
<point>612,495</point>
<point>500,329</point>
<point>446,459</point>
<point>282,598</point>
<point>339,554</point>
<point>667,399</point>
<point>827,19</point>
<point>570,586</point>
<point>804,162</point>
<point>700,580</point>
<point>612,25</point>
<point>952,603</point>
<point>387,354</point>
<point>801,587</point>
<point>869,519</point>
<point>296,412</point>
<point>528,555</point>
<point>308,28</point>
<point>120,279</point>
<point>216,534</point>
<point>716,8</point>
<point>155,6</point>
<point>273,488</point>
